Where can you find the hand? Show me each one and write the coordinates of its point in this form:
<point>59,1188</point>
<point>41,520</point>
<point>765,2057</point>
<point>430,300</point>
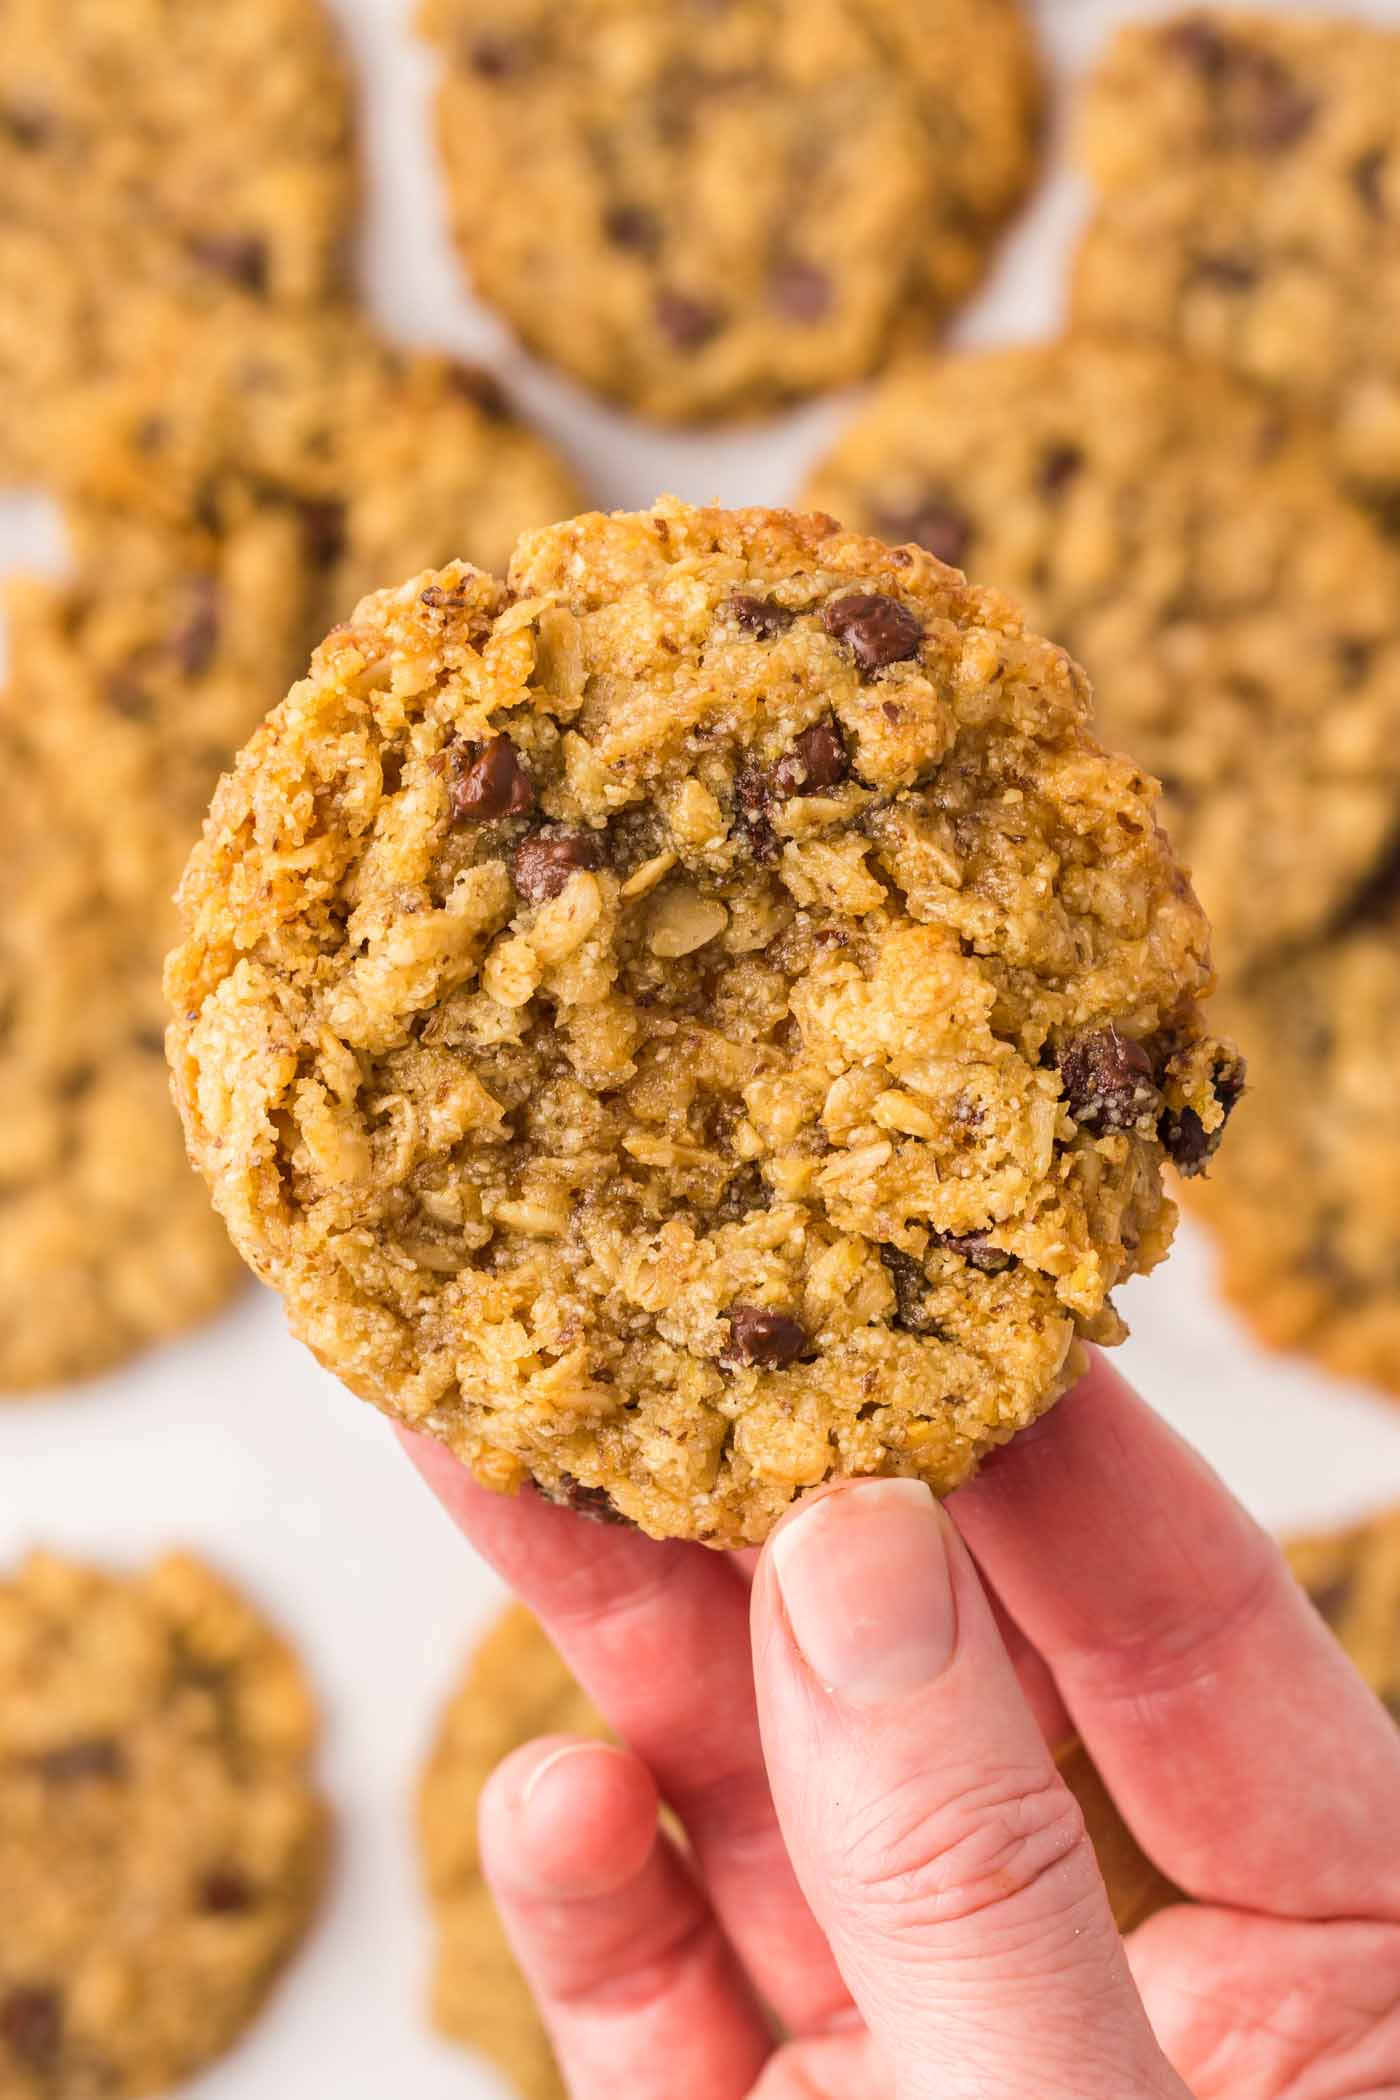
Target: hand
<point>881,1851</point>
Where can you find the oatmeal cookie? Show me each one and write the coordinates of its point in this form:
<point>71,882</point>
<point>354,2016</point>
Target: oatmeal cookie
<point>1189,539</point>
<point>698,1018</point>
<point>1248,169</point>
<point>193,147</point>
<point>1353,1577</point>
<point>160,1839</point>
<point>1306,1207</point>
<point>706,210</point>
<point>516,1689</point>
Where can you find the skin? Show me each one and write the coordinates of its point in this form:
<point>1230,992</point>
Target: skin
<point>852,1729</point>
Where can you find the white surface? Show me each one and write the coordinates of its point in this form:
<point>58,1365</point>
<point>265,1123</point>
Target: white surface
<point>237,1445</point>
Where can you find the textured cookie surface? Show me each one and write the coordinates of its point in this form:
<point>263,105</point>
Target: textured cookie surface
<point>160,1841</point>
<point>191,147</point>
<point>1191,543</point>
<point>1248,167</point>
<point>705,209</point>
<point>1353,1577</point>
<point>1306,1203</point>
<point>516,1689</point>
<point>698,1018</point>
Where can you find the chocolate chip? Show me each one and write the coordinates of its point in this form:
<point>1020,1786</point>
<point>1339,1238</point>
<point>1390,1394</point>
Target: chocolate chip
<point>545,860</point>
<point>760,616</point>
<point>323,530</point>
<point>977,1251</point>
<point>493,784</point>
<point>1200,44</point>
<point>817,760</point>
<point>497,56</point>
<point>475,384</point>
<point>1276,111</point>
<point>31,2025</point>
<point>1331,1599</point>
<point>801,292</point>
<point>1058,469</point>
<point>1187,1143</point>
<point>97,1758</point>
<point>767,1340</point>
<point>592,1502</point>
<point>1368,176</point>
<point>438,600</point>
<point>240,257</point>
<point>195,643</point>
<point>1108,1080</point>
<point>226,1893</point>
<point>936,524</point>
<point>632,226</point>
<point>127,696</point>
<point>27,125</point>
<point>688,322</point>
<point>1232,273</point>
<point>1355,657</point>
<point>910,1290</point>
<point>877,629</point>
<point>753,801</point>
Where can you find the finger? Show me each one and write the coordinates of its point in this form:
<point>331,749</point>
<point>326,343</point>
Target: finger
<point>638,1988</point>
<point>1245,1753</point>
<point>833,2067</point>
<point>659,1635</point>
<point>937,1844</point>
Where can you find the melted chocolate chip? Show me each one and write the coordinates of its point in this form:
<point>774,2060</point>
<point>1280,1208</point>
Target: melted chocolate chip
<point>877,629</point>
<point>761,616</point>
<point>1277,112</point>
<point>633,227</point>
<point>1058,469</point>
<point>545,860</point>
<point>817,760</point>
<point>1200,44</point>
<point>97,1758</point>
<point>1355,657</point>
<point>1187,1143</point>
<point>194,644</point>
<point>688,323</point>
<point>1108,1080</point>
<point>753,801</point>
<point>1368,177</point>
<point>977,1251</point>
<point>497,56</point>
<point>767,1340</point>
<point>240,257</point>
<point>801,292</point>
<point>475,384</point>
<point>936,524</point>
<point>323,530</point>
<point>31,2025</point>
<point>592,1502</point>
<point>1232,273</point>
<point>493,784</point>
<point>27,125</point>
<point>910,1290</point>
<point>226,1893</point>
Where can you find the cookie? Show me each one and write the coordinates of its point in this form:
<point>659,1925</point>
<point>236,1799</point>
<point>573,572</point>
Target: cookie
<point>700,1018</point>
<point>1353,1577</point>
<point>706,208</point>
<point>189,147</point>
<point>1189,539</point>
<point>516,1689</point>
<point>1306,1206</point>
<point>161,1841</point>
<point>1248,173</point>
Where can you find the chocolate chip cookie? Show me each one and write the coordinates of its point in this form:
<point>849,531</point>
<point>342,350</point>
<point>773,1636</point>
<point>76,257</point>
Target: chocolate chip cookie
<point>698,1018</point>
<point>516,1689</point>
<point>1188,537</point>
<point>160,1838</point>
<point>189,147</point>
<point>1353,1578</point>
<point>1248,169</point>
<point>1306,1206</point>
<point>705,208</point>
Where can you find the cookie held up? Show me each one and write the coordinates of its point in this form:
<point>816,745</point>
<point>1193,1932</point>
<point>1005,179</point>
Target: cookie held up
<point>698,1017</point>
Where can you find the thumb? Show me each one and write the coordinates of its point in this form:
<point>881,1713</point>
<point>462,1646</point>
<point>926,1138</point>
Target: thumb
<point>932,1835</point>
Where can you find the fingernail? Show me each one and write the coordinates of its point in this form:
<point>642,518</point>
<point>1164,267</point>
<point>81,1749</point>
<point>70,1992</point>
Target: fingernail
<point>867,1587</point>
<point>567,1753</point>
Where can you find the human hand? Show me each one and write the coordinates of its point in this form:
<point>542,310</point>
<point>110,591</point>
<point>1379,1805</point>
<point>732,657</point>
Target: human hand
<point>881,1850</point>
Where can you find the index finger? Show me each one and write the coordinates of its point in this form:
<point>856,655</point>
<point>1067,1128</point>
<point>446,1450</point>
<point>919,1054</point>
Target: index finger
<point>1249,1758</point>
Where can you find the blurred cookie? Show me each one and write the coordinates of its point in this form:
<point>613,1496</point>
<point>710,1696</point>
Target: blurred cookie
<point>516,1689</point>
<point>160,1839</point>
<point>1189,539</point>
<point>706,209</point>
<point>1248,169</point>
<point>700,1018</point>
<point>1353,1577</point>
<point>1306,1201</point>
<point>189,147</point>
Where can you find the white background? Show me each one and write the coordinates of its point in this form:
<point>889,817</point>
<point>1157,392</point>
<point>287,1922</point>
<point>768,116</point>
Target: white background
<point>234,1443</point>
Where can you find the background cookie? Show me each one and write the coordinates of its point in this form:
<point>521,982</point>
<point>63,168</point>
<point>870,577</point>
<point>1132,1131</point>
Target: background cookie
<point>160,1841</point>
<point>1306,1202</point>
<point>190,147</point>
<point>1189,540</point>
<point>1353,1577</point>
<point>704,1017</point>
<point>707,210</point>
<point>1248,169</point>
<point>516,1689</point>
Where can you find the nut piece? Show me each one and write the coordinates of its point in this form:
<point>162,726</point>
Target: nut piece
<point>681,922</point>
